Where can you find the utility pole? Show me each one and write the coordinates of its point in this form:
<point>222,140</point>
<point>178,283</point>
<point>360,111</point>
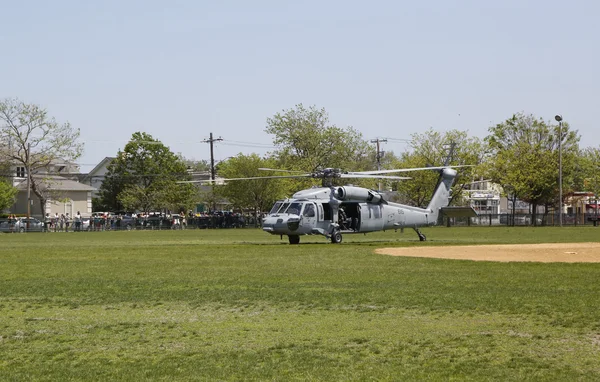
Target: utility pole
<point>379,156</point>
<point>211,140</point>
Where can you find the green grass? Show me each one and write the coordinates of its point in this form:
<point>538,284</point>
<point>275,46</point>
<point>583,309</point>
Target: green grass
<point>241,304</point>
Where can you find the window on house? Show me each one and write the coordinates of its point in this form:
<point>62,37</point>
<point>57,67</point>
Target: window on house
<point>20,172</point>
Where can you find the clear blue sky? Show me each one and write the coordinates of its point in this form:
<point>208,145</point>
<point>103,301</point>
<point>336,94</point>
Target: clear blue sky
<point>182,69</point>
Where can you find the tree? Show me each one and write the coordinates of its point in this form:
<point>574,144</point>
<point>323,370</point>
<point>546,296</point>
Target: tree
<point>525,159</point>
<point>7,194</point>
<point>432,148</point>
<point>589,165</point>
<point>197,165</point>
<point>306,141</point>
<point>255,194</point>
<point>34,141</point>
<point>144,177</point>
<point>7,191</point>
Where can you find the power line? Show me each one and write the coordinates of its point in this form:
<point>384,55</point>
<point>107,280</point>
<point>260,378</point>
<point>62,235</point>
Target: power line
<point>248,143</point>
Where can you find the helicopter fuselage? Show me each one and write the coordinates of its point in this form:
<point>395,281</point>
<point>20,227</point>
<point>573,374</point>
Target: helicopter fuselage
<point>330,210</point>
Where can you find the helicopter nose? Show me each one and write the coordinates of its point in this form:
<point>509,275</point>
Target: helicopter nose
<point>274,224</point>
<point>293,223</point>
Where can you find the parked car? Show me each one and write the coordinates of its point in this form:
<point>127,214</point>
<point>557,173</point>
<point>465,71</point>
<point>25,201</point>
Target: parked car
<point>4,225</point>
<point>125,222</point>
<point>34,225</point>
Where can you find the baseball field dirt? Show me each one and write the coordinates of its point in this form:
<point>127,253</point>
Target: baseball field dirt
<point>546,253</point>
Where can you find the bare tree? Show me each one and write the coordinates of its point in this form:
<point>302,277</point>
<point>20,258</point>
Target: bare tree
<point>36,140</point>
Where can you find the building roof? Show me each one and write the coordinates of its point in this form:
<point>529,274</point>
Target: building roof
<point>56,183</point>
<point>103,163</point>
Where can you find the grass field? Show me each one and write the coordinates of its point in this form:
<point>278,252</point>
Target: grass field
<point>243,305</point>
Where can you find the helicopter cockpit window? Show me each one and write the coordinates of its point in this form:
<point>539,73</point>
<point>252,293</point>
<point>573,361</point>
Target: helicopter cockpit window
<point>309,210</point>
<point>283,208</point>
<point>275,208</point>
<point>294,208</point>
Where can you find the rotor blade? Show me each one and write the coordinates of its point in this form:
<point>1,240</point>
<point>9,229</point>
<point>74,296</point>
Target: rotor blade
<point>249,178</point>
<point>263,177</point>
<point>276,169</point>
<point>410,169</point>
<point>374,176</point>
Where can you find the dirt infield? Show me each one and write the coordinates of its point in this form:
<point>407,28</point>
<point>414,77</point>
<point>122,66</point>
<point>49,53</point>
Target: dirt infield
<point>545,253</point>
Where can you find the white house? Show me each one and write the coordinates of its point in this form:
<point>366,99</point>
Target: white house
<point>96,176</point>
<point>57,183</point>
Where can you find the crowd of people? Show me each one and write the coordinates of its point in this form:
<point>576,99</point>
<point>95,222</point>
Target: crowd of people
<point>106,221</point>
<point>218,219</point>
<point>62,222</point>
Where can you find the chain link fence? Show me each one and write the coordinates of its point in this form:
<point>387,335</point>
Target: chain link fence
<point>508,219</point>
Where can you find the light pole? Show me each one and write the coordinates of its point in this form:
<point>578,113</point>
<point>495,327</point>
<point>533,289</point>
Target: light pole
<point>559,119</point>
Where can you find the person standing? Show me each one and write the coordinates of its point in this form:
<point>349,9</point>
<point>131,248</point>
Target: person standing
<point>67,222</point>
<point>55,221</point>
<point>78,222</point>
<point>47,222</point>
<point>12,220</point>
<point>182,222</point>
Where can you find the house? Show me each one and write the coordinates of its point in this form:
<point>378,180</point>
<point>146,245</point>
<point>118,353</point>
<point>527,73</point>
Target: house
<point>484,197</point>
<point>58,183</point>
<point>96,176</point>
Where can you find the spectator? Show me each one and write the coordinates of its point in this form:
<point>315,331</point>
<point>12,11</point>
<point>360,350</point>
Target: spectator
<point>78,222</point>
<point>182,221</point>
<point>67,222</point>
<point>47,222</point>
<point>55,221</point>
<point>12,220</point>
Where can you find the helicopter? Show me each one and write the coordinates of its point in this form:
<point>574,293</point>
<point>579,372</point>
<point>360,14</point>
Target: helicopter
<point>333,211</point>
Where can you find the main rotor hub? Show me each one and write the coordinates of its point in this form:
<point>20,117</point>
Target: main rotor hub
<point>327,175</point>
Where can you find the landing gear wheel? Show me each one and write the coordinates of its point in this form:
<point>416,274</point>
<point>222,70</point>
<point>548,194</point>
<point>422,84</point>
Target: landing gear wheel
<point>294,239</point>
<point>336,236</point>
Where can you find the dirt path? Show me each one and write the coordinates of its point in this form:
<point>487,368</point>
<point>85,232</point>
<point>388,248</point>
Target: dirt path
<point>545,253</point>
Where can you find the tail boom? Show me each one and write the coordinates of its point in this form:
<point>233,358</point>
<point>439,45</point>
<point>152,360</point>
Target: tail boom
<point>441,195</point>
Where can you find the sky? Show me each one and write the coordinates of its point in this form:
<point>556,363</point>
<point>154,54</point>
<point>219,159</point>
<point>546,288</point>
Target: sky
<point>180,70</point>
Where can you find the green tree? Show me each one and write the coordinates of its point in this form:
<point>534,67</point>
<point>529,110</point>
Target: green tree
<point>197,165</point>
<point>525,159</point>
<point>306,141</point>
<point>144,177</point>
<point>8,193</point>
<point>256,194</point>
<point>34,140</point>
<point>432,148</point>
<point>589,164</point>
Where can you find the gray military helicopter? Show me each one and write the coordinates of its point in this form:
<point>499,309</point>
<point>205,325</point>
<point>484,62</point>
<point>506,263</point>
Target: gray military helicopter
<point>333,211</point>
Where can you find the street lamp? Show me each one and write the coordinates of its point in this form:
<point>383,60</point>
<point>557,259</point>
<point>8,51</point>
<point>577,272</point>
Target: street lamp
<point>559,119</point>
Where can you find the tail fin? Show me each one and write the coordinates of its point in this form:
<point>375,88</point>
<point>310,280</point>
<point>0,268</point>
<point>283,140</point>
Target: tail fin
<point>441,195</point>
